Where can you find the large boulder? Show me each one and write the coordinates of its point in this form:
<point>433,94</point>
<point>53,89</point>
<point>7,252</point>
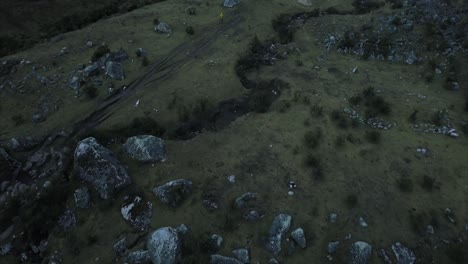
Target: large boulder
<point>173,192</point>
<point>279,227</point>
<point>299,237</point>
<point>360,253</point>
<point>98,166</point>
<point>164,246</point>
<point>231,3</point>
<point>137,212</point>
<point>146,148</point>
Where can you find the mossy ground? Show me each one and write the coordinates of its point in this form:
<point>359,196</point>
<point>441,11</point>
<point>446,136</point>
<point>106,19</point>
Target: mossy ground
<point>264,150</point>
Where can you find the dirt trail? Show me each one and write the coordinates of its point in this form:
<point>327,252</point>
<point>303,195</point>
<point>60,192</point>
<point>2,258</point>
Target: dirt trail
<point>163,69</point>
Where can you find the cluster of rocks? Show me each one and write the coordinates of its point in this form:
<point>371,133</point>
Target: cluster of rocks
<point>433,129</point>
<point>373,122</point>
<point>109,64</point>
<point>391,37</point>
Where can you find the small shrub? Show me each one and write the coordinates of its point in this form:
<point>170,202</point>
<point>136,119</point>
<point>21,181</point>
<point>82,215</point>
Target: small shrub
<point>413,117</point>
<point>340,141</point>
<point>144,62</point>
<point>428,183</point>
<point>156,21</point>
<point>317,110</point>
<point>351,201</point>
<point>99,52</point>
<point>299,63</point>
<point>312,138</point>
<point>91,91</point>
<point>312,161</point>
<point>189,30</point>
<point>284,106</point>
<point>18,120</point>
<point>355,100</point>
<point>405,184</point>
<point>373,137</point>
<point>191,10</point>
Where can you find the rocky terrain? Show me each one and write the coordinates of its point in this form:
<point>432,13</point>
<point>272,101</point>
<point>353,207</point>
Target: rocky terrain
<point>210,131</point>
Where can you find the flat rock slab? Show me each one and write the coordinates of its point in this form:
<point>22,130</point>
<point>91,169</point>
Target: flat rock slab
<point>360,253</point>
<point>98,166</point>
<point>164,246</point>
<point>173,192</point>
<point>279,227</point>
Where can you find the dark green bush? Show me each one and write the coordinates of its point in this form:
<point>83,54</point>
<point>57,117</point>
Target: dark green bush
<point>91,91</point>
<point>373,137</point>
<point>189,30</point>
<point>99,52</point>
<point>405,184</point>
<point>18,120</point>
<point>313,138</point>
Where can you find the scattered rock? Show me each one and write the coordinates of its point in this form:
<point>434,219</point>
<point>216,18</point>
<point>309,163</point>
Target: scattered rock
<point>362,222</point>
<point>411,58</point>
<point>299,237</point>
<point>403,254</point>
<point>173,192</point>
<point>164,246</point>
<point>75,81</point>
<point>98,166</point>
<point>253,215</point>
<point>333,246</point>
<point>138,257</point>
<point>38,118</point>
<point>182,230</point>
<point>210,202</point>
<point>430,230</point>
<point>333,218</point>
<point>23,143</point>
<point>244,199</point>
<point>82,198</point>
<point>120,247</point>
<point>213,244</point>
<point>242,254</point>
<point>163,27</point>
<point>360,252</point>
<point>119,55</point>
<point>273,261</point>
<point>146,148</point>
<point>231,3</point>
<point>67,220</point>
<point>137,212</point>
<point>232,178</point>
<point>305,2</point>
<point>91,70</point>
<point>218,259</point>
<point>114,70</point>
<point>280,226</point>
<point>89,44</point>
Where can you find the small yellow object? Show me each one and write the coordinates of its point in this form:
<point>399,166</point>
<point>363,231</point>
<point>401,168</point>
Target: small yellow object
<point>221,15</point>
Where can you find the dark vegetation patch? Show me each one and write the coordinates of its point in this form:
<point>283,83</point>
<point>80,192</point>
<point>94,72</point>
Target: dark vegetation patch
<point>50,19</point>
<point>189,30</point>
<point>413,117</point>
<point>139,126</point>
<point>429,183</point>
<point>91,91</point>
<point>375,105</point>
<point>373,137</point>
<point>365,6</point>
<point>100,52</point>
<point>405,184</point>
<point>351,201</point>
<point>314,162</point>
<point>18,120</point>
<point>313,138</point>
<point>340,119</point>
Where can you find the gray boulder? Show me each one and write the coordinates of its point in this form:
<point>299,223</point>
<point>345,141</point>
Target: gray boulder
<point>75,81</point>
<point>360,253</point>
<point>231,3</point>
<point>137,212</point>
<point>242,254</point>
<point>163,27</point>
<point>91,70</point>
<point>146,148</point>
<point>82,197</point>
<point>164,246</point>
<point>403,254</point>
<point>173,192</point>
<point>67,220</point>
<point>218,259</point>
<point>333,246</point>
<point>98,166</point>
<point>114,70</point>
<point>253,215</point>
<point>299,237</point>
<point>280,226</point>
<point>244,199</point>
